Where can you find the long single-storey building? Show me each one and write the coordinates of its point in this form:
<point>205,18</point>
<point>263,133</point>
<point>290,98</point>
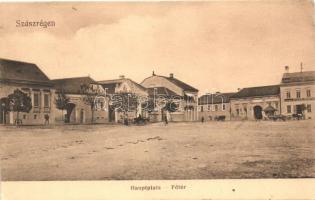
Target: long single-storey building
<point>79,108</point>
<point>255,103</point>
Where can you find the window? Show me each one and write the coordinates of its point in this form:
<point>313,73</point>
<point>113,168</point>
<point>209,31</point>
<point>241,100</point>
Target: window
<point>24,116</point>
<point>245,108</point>
<point>309,108</point>
<point>201,108</point>
<point>223,106</point>
<point>237,111</point>
<point>216,107</point>
<point>298,94</point>
<point>212,108</point>
<point>308,93</point>
<point>46,101</point>
<point>288,94</point>
<point>289,109</point>
<point>276,105</point>
<point>209,107</point>
<point>102,105</point>
<point>36,99</point>
<point>35,116</point>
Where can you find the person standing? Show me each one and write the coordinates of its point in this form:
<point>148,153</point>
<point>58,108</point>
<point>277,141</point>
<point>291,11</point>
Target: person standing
<point>46,119</point>
<point>165,120</point>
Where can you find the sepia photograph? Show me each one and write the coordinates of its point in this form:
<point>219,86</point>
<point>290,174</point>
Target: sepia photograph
<point>157,91</point>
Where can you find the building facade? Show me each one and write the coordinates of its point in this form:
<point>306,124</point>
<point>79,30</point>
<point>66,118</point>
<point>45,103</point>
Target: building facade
<point>79,109</point>
<point>184,96</point>
<point>255,103</point>
<point>215,106</point>
<point>125,89</point>
<point>28,78</point>
<point>297,92</point>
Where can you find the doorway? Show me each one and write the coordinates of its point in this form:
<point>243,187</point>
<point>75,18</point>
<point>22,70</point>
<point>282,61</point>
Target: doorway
<point>81,116</point>
<point>69,109</point>
<point>258,112</point>
<point>3,116</point>
<point>299,109</point>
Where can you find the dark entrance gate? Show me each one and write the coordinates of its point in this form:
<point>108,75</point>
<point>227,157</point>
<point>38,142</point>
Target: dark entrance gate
<point>69,108</point>
<point>111,114</point>
<point>258,112</point>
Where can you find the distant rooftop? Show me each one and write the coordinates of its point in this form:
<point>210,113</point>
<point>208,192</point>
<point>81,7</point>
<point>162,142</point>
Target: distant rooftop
<point>72,85</point>
<point>215,98</point>
<point>112,84</point>
<point>296,77</point>
<point>257,91</point>
<point>177,82</point>
<point>11,70</point>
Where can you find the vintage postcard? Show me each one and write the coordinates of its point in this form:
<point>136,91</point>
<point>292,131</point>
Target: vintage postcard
<point>157,100</point>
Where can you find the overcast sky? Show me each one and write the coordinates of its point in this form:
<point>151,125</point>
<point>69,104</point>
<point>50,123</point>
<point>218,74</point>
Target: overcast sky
<point>213,46</point>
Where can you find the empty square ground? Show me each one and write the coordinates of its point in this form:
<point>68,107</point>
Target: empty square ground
<point>212,150</point>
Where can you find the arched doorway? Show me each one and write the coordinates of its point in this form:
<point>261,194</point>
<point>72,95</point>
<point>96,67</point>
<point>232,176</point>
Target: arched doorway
<point>258,112</point>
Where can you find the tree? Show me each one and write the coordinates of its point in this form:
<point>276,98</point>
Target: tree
<point>90,94</point>
<point>62,101</point>
<point>171,106</point>
<point>18,102</point>
<point>124,102</point>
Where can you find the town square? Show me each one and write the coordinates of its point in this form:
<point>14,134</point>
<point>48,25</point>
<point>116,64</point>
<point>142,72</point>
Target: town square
<point>157,91</point>
<point>183,150</point>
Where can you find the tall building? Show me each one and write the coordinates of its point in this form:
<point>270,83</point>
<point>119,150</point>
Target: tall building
<point>297,91</point>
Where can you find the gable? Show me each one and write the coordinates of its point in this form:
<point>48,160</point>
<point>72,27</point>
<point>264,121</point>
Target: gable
<point>72,85</point>
<point>124,87</point>
<point>160,81</point>
<point>21,71</point>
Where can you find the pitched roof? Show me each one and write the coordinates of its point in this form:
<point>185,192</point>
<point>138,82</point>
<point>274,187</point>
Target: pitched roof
<point>257,91</point>
<point>111,84</point>
<point>179,83</point>
<point>72,85</point>
<point>182,85</point>
<point>161,91</point>
<point>217,98</point>
<point>298,77</point>
<point>11,70</point>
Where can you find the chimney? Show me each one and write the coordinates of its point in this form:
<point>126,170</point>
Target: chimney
<point>286,69</point>
<point>217,92</point>
<point>171,75</point>
<point>238,89</point>
<point>153,74</point>
<point>121,76</point>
